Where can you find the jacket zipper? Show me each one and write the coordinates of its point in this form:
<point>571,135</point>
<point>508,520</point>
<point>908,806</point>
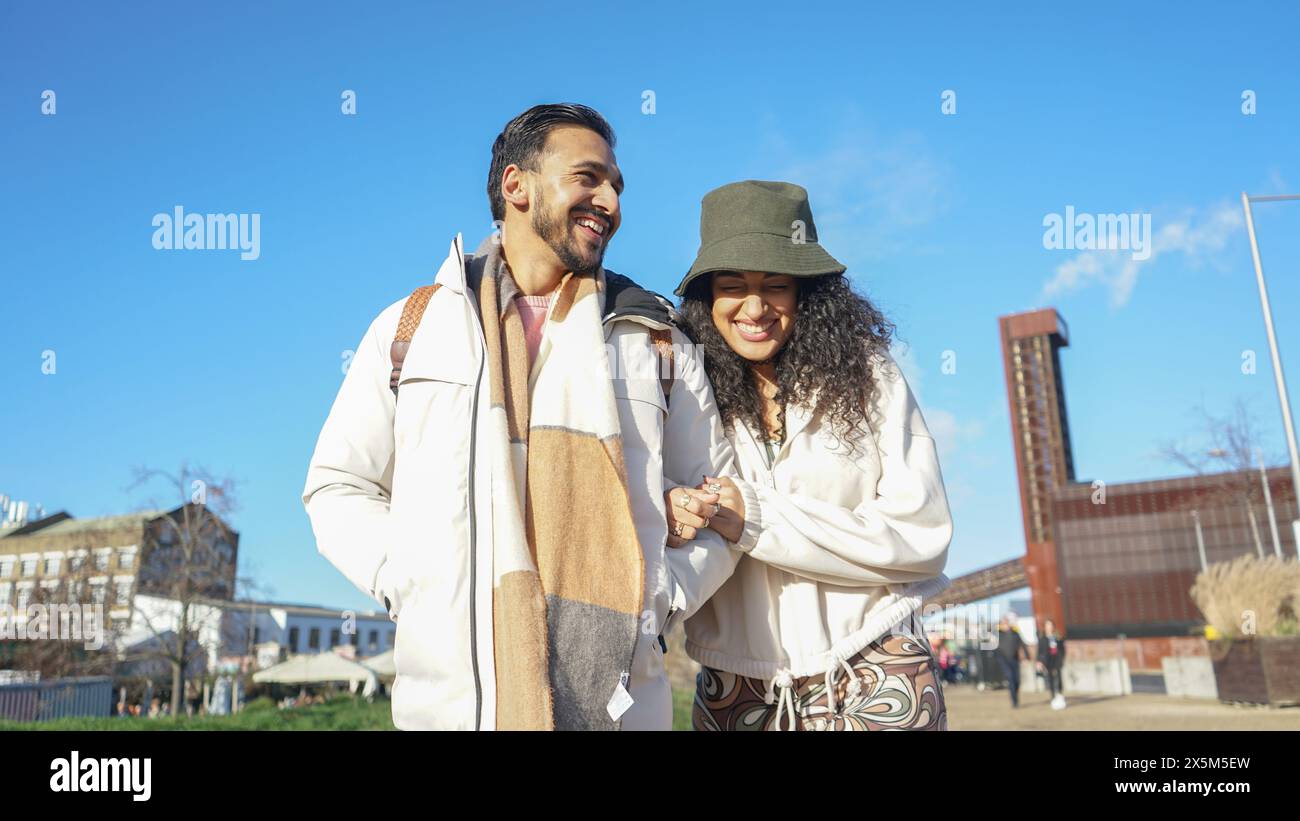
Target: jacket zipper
<point>473,529</point>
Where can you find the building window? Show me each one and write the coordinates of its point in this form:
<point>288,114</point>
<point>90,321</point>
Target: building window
<point>77,561</point>
<point>29,567</point>
<point>101,559</point>
<point>374,639</point>
<point>313,639</point>
<point>50,591</point>
<point>123,593</point>
<point>334,639</point>
<point>75,589</point>
<point>24,596</point>
<point>52,566</point>
<point>257,635</point>
<point>354,638</point>
<point>6,592</point>
<point>126,559</point>
<point>6,568</point>
<point>98,592</point>
<point>293,639</point>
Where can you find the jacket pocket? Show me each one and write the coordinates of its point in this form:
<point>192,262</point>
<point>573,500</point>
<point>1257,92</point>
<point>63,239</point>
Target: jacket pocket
<point>641,388</point>
<point>387,587</point>
<point>433,400</point>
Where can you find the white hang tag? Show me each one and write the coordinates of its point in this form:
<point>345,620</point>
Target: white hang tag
<point>620,701</point>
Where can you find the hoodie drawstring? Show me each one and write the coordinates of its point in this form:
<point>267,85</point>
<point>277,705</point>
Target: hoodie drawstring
<point>784,682</point>
<point>780,690</point>
<point>854,688</point>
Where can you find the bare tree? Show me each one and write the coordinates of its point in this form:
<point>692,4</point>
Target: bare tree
<point>1231,448</point>
<point>240,632</point>
<point>187,563</point>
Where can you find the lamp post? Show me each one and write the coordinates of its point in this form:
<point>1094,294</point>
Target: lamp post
<point>1268,501</point>
<point>1200,539</point>
<point>1287,421</point>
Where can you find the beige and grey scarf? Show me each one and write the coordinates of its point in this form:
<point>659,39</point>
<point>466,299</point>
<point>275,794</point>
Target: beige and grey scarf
<point>568,571</point>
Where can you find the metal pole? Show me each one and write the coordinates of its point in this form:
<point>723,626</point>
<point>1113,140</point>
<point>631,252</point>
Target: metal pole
<point>1254,529</point>
<point>1200,539</point>
<point>1268,500</point>
<point>1287,422</point>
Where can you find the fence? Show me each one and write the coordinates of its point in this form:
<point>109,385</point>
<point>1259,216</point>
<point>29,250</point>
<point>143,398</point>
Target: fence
<point>60,698</point>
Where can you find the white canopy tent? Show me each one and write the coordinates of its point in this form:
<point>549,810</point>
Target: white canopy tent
<point>318,668</point>
<point>383,665</point>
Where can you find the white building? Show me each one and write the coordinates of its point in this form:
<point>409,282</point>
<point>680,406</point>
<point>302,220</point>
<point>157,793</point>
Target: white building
<point>238,634</point>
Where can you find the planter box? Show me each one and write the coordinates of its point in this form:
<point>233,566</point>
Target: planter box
<point>1261,670</point>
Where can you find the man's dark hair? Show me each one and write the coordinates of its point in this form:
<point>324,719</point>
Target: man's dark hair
<point>522,140</point>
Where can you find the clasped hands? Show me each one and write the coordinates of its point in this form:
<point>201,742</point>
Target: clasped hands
<point>714,504</point>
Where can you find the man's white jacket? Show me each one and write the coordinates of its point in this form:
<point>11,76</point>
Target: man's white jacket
<point>398,493</point>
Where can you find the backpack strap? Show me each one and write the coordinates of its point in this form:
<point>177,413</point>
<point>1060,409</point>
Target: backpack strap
<point>412,313</point>
<point>663,341</point>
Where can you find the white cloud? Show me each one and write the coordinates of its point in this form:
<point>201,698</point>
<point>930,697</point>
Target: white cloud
<point>950,433</point>
<point>1198,237</point>
<point>866,189</point>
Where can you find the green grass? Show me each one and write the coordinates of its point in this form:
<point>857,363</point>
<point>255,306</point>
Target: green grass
<point>340,713</point>
<point>682,701</point>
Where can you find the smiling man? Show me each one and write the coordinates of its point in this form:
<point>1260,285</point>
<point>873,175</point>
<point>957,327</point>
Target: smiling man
<point>495,466</point>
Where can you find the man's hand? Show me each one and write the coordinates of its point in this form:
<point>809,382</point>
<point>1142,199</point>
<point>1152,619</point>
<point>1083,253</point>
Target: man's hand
<point>688,511</point>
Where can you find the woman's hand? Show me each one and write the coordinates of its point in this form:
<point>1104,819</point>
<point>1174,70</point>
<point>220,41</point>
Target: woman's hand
<point>688,510</point>
<point>727,517</point>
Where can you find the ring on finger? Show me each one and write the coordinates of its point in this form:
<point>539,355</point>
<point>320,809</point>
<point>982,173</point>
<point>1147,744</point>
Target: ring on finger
<point>686,499</point>
<point>677,530</point>
<point>714,487</point>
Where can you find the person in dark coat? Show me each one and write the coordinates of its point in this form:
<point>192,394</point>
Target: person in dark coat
<point>1051,658</point>
<point>1011,647</point>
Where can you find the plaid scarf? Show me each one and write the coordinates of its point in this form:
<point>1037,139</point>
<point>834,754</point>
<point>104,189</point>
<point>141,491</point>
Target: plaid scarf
<point>568,571</point>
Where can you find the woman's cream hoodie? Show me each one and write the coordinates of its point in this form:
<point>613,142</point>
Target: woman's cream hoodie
<point>837,548</point>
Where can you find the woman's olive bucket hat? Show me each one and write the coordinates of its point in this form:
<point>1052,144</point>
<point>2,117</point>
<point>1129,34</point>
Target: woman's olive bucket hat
<point>759,226</point>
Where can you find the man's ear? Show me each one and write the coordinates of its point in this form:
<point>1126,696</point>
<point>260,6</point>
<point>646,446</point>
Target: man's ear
<point>514,187</point>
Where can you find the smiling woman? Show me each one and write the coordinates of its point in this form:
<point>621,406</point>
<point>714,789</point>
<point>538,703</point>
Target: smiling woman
<point>839,508</point>
<point>754,311</point>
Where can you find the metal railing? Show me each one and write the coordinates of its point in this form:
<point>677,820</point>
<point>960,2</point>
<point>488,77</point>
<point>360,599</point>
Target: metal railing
<point>59,698</point>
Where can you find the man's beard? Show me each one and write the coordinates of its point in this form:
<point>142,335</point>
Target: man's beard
<point>556,231</point>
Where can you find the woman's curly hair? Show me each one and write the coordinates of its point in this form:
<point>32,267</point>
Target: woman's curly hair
<point>837,335</point>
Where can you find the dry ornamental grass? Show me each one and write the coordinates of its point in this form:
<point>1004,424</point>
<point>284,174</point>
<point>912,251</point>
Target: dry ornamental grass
<point>1249,596</point>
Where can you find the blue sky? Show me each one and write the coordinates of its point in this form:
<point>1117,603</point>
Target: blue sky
<point>164,356</point>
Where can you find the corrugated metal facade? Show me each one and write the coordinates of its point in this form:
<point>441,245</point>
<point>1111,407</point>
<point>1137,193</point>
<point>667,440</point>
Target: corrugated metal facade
<point>1126,566</point>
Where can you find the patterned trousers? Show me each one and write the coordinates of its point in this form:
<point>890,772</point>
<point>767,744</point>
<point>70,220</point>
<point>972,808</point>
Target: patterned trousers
<point>894,683</point>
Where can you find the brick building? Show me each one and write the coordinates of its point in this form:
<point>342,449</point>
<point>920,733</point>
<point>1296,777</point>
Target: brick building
<point>1112,564</point>
<point>111,559</point>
